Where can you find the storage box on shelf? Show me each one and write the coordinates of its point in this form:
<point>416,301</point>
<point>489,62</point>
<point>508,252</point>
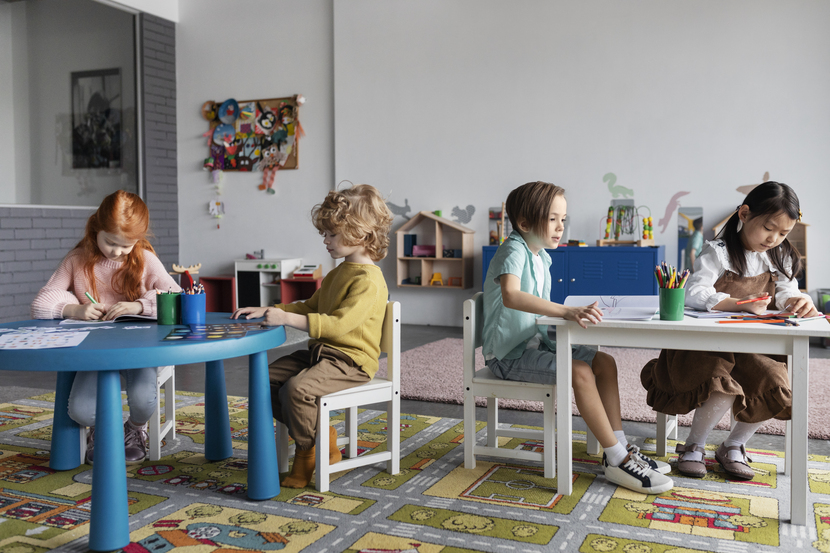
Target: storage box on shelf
<point>220,293</point>
<point>258,280</point>
<point>595,271</point>
<point>437,245</point>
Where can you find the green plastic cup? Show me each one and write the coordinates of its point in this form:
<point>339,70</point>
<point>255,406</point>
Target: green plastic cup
<point>168,308</point>
<point>672,302</point>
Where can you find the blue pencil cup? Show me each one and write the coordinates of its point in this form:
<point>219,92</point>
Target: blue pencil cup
<point>193,309</point>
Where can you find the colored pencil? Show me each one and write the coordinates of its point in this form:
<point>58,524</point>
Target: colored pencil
<point>87,294</point>
<point>752,300</point>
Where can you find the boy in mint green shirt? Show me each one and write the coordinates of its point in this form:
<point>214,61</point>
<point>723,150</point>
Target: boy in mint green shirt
<point>516,291</point>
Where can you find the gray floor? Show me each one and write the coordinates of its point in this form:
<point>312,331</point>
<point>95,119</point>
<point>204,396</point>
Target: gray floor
<point>14,385</point>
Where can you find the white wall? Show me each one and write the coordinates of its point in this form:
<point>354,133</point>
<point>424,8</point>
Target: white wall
<point>273,49</point>
<point>455,103</point>
<point>7,140</point>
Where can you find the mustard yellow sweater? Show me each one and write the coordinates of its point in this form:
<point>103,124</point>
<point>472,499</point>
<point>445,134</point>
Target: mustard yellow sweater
<point>347,312</point>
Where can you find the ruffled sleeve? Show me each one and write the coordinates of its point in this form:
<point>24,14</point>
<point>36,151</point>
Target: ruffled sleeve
<point>709,266</point>
<point>786,288</point>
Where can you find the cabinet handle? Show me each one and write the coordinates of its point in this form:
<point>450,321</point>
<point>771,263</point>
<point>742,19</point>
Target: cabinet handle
<point>573,280</point>
<point>560,280</point>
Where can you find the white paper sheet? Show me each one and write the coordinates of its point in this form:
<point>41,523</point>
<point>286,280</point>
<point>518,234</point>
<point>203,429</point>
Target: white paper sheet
<point>625,308</point>
<point>41,340</point>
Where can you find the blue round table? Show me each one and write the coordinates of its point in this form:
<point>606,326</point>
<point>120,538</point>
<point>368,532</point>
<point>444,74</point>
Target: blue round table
<point>111,350</point>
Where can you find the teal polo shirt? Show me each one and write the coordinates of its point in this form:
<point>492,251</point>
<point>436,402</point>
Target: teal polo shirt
<point>507,331</point>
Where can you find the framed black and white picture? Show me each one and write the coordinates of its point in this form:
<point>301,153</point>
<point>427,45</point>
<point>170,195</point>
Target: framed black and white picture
<point>96,119</point>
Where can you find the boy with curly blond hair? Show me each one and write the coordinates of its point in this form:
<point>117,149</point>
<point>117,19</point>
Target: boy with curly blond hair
<point>344,319</point>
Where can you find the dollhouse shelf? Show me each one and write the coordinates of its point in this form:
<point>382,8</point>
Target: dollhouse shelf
<point>434,230</point>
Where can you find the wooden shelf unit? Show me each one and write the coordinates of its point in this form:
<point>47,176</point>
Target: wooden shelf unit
<point>440,232</point>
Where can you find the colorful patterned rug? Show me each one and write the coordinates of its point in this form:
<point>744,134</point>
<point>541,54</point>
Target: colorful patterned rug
<point>434,504</point>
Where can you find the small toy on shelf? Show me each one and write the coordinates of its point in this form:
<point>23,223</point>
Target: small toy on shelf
<point>623,215</point>
<point>309,271</point>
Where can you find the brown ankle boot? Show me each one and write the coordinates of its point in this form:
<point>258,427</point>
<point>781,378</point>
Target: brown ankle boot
<point>334,450</point>
<point>302,469</point>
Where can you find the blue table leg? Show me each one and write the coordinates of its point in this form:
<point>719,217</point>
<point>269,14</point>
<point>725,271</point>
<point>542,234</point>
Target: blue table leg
<point>66,440</point>
<point>217,422</point>
<point>109,527</point>
<point>263,471</point>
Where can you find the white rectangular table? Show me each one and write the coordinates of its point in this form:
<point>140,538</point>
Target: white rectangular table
<point>701,335</point>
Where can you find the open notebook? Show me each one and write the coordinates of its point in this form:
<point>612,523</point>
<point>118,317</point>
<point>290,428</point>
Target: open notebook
<point>630,308</point>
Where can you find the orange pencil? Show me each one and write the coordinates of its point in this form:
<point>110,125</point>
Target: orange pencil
<point>752,300</point>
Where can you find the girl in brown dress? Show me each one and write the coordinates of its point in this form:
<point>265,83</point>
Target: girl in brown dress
<point>751,257</point>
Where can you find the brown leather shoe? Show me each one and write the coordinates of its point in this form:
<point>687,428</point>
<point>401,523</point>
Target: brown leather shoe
<point>695,469</point>
<point>736,469</point>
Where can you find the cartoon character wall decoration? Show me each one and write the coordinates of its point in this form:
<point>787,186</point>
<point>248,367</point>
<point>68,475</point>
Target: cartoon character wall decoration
<point>253,135</point>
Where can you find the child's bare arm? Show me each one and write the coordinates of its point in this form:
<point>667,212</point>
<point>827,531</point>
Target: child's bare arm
<point>514,298</point>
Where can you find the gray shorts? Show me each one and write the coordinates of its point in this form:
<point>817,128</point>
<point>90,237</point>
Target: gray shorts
<point>537,366</point>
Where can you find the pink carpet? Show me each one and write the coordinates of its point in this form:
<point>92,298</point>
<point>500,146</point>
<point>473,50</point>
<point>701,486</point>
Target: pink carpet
<point>434,373</point>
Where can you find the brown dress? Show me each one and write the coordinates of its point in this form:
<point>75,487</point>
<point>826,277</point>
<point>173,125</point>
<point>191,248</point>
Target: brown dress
<point>680,381</point>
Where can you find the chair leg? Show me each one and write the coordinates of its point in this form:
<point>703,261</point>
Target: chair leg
<point>549,443</point>
<point>154,428</point>
<point>351,431</point>
<point>282,447</point>
<point>662,421</point>
<point>469,430</point>
<point>493,422</point>
<point>322,452</point>
<point>170,405</point>
<point>393,434</point>
<point>592,443</point>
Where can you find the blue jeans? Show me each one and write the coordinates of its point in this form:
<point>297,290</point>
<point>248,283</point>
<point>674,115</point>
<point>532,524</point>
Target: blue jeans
<point>141,395</point>
<point>537,366</point>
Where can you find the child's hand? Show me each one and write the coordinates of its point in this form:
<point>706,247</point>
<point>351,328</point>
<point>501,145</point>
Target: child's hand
<point>757,307</point>
<point>591,312</point>
<point>802,306</point>
<point>251,312</point>
<point>85,312</point>
<point>123,308</point>
<point>275,317</point>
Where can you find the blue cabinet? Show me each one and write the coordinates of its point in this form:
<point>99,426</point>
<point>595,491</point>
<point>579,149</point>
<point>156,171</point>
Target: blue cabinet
<point>595,271</point>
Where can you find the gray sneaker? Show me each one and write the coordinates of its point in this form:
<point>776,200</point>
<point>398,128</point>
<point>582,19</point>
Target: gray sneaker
<point>135,443</point>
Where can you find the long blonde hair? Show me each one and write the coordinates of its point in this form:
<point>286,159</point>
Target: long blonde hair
<point>360,215</point>
<point>121,213</point>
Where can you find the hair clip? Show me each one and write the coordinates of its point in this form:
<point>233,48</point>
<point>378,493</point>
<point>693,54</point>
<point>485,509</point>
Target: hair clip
<point>799,216</point>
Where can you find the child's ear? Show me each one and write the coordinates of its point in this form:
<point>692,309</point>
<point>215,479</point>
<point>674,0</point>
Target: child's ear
<point>743,213</point>
<point>522,225</point>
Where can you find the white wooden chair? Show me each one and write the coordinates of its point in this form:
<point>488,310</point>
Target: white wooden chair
<point>375,391</point>
<point>166,379</point>
<point>483,383</point>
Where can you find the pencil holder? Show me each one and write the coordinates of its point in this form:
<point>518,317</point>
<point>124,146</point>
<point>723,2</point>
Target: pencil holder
<point>193,309</point>
<point>167,308</point>
<point>672,302</point>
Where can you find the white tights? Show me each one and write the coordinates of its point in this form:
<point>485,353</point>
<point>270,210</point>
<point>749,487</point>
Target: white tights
<point>705,419</point>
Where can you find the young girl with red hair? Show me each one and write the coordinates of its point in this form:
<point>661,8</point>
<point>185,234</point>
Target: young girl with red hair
<point>118,267</point>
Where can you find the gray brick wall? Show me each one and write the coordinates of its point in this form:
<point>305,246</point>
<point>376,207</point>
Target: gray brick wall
<point>34,240</point>
<point>158,101</point>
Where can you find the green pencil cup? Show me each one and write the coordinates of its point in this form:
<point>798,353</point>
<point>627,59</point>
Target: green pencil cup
<point>168,308</point>
<point>672,302</point>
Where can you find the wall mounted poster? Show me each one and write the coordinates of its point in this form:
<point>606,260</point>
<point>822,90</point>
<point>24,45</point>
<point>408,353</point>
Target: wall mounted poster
<point>96,119</point>
<point>255,135</point>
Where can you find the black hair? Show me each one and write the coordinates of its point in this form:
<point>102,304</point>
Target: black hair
<point>767,199</point>
<point>698,223</point>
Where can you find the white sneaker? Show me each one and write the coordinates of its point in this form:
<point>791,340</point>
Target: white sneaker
<point>636,475</point>
<point>659,466</point>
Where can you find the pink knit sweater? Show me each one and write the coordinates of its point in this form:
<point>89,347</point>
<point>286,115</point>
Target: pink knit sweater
<point>68,285</point>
